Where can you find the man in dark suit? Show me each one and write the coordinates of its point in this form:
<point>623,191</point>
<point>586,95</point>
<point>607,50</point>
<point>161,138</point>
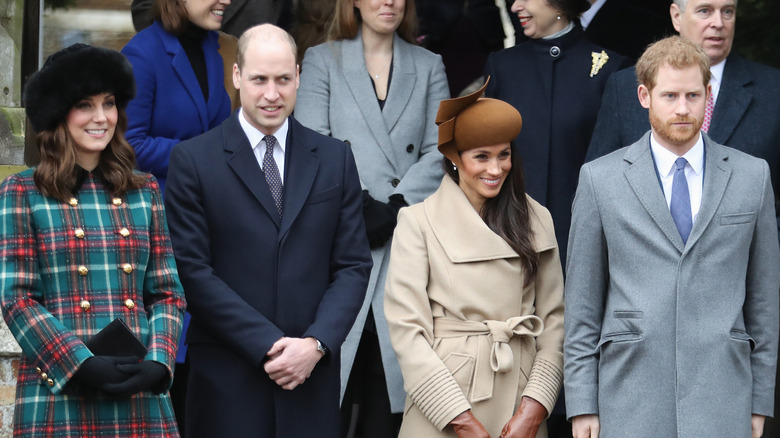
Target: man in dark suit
<point>267,227</point>
<point>746,95</point>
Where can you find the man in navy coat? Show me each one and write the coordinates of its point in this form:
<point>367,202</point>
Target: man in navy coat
<point>746,113</point>
<point>267,227</point>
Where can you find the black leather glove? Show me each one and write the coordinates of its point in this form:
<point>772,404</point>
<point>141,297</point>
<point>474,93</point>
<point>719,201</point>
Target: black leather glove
<point>381,218</point>
<point>147,375</point>
<point>99,370</point>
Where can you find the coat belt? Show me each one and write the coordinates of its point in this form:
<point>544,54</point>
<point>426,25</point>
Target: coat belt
<point>493,340</point>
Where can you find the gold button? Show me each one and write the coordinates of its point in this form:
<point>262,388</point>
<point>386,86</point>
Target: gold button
<point>38,370</point>
<point>83,270</point>
<point>85,305</point>
<point>129,304</point>
<point>44,376</point>
<point>73,201</point>
<point>127,267</point>
<point>124,232</point>
<point>50,382</point>
<point>117,201</point>
<point>79,233</point>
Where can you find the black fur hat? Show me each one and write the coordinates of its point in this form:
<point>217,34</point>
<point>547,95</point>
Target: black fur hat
<point>72,74</point>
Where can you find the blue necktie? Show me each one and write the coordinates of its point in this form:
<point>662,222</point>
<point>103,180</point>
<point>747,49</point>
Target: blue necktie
<point>271,171</point>
<point>681,201</point>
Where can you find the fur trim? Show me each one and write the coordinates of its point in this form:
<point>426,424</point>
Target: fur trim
<point>72,74</point>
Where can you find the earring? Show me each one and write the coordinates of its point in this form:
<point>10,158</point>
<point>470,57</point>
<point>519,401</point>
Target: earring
<point>559,16</point>
<point>454,167</point>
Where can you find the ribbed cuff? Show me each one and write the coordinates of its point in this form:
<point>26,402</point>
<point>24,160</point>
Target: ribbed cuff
<point>544,383</point>
<point>439,398</point>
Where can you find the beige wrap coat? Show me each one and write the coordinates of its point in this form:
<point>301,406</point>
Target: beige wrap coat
<point>467,333</point>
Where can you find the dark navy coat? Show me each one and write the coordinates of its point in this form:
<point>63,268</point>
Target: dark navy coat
<point>252,278</point>
<point>550,83</point>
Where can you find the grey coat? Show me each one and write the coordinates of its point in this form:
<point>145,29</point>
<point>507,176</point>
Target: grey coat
<point>665,339</point>
<point>395,150</point>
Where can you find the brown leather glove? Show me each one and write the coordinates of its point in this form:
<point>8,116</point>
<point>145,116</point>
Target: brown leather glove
<point>466,425</point>
<point>525,423</point>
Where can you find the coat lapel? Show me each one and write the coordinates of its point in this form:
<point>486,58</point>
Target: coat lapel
<point>181,65</point>
<point>402,84</point>
<point>215,71</point>
<point>359,83</point>
<point>301,166</point>
<point>244,164</point>
<point>733,100</point>
<point>643,179</point>
<point>716,176</point>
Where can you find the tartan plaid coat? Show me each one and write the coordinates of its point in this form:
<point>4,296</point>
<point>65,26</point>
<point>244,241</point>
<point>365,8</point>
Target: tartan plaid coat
<point>68,270</point>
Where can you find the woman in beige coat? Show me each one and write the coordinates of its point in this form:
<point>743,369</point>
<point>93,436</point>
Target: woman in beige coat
<point>474,295</point>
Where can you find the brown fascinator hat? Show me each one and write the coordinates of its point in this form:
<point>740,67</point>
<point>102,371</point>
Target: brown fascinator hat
<point>472,121</point>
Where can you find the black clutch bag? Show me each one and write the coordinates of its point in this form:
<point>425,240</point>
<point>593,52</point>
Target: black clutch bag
<point>116,339</point>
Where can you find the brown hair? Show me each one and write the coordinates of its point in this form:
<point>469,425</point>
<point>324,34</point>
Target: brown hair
<point>508,214</point>
<point>675,51</point>
<point>346,22</point>
<point>172,15</point>
<point>56,174</point>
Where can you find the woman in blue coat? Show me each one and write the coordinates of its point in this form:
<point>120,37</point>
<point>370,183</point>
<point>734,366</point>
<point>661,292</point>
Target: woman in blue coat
<point>179,72</point>
<point>555,79</point>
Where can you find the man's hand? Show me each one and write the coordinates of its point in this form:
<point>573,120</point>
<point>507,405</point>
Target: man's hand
<point>757,423</point>
<point>585,426</point>
<point>292,361</point>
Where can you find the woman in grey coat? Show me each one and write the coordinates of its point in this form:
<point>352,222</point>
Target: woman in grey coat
<point>371,87</point>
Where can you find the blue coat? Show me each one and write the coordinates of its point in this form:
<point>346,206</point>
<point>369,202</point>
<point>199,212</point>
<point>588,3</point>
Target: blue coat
<point>558,99</point>
<point>746,115</point>
<point>169,106</point>
<point>252,278</point>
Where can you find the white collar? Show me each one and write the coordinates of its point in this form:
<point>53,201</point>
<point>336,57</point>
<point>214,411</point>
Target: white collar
<point>255,136</point>
<point>664,158</point>
<point>587,16</point>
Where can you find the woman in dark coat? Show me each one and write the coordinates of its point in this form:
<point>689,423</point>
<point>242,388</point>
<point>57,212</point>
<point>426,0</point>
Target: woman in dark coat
<point>84,244</point>
<point>555,79</point>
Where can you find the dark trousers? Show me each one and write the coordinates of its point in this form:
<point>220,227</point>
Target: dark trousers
<point>365,411</point>
<point>179,392</point>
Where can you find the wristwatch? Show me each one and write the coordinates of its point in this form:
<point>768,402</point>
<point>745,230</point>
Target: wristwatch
<point>321,348</point>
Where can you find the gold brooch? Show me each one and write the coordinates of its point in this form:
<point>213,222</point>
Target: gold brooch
<point>599,60</point>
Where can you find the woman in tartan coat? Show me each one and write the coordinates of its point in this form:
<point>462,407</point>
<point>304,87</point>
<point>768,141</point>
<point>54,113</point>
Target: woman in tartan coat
<point>84,241</point>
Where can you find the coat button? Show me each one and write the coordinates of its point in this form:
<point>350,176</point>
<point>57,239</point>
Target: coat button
<point>44,376</point>
<point>83,270</point>
<point>50,382</point>
<point>73,202</point>
<point>555,51</point>
<point>117,201</point>
<point>129,304</point>
<point>127,267</point>
<point>38,370</point>
<point>79,233</point>
<point>124,232</point>
<point>410,148</point>
<point>395,182</point>
<point>85,305</point>
<point>347,142</point>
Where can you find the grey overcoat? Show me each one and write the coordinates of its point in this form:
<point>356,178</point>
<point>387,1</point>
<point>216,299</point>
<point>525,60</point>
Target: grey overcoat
<point>665,339</point>
<point>394,148</point>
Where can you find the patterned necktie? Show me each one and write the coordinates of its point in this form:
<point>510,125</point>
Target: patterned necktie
<point>272,172</point>
<point>705,126</point>
<point>681,201</point>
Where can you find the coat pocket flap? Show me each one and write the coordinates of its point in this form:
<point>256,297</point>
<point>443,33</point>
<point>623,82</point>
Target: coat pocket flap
<point>734,219</point>
<point>619,337</point>
<point>741,335</point>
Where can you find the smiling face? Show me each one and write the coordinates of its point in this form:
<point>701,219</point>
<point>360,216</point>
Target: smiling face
<point>91,124</point>
<point>206,14</point>
<point>676,105</point>
<point>483,171</point>
<point>268,80</point>
<point>709,24</point>
<point>381,16</point>
<point>538,18</point>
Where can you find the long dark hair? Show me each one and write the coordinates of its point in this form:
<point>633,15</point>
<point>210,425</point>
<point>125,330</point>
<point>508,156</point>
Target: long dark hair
<point>57,172</point>
<point>508,215</point>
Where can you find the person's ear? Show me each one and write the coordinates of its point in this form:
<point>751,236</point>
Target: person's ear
<point>644,95</point>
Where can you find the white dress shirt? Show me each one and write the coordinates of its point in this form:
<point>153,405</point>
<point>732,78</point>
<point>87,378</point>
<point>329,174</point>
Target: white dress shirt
<point>587,16</point>
<point>716,79</point>
<point>255,138</point>
<point>694,171</point>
